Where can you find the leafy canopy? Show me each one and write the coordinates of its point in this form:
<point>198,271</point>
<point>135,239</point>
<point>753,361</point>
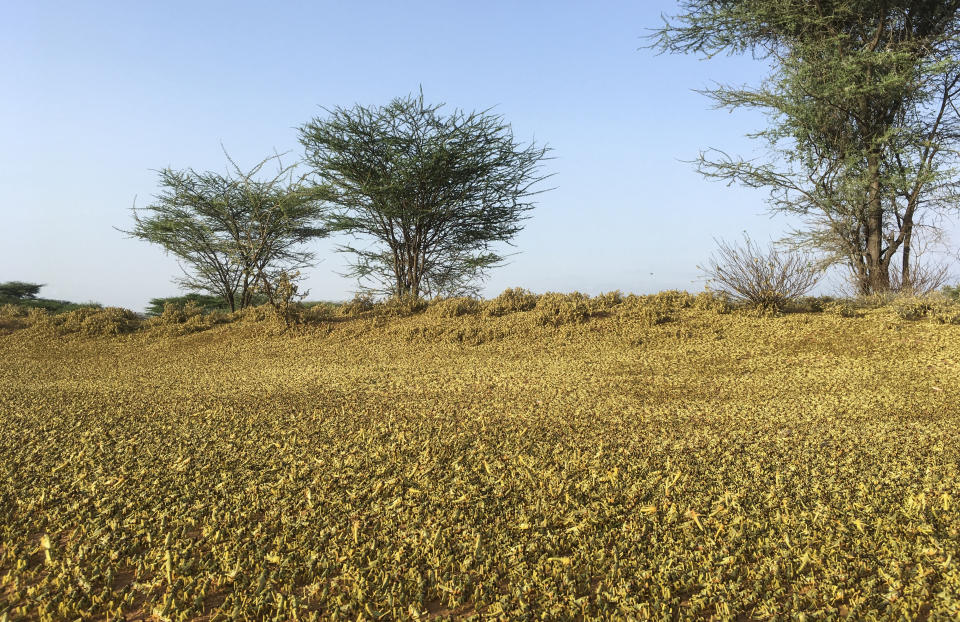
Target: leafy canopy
<point>232,231</point>
<point>863,129</point>
<point>434,192</point>
<point>19,290</point>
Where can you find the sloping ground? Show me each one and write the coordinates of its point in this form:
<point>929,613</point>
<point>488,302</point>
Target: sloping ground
<point>713,465</point>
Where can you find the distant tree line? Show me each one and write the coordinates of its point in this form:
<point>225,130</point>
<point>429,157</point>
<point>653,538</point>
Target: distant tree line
<point>24,294</point>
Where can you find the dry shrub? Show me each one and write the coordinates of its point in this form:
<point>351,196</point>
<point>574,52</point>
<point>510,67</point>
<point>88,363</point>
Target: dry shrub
<point>767,280</point>
<point>604,303</point>
<point>40,318</point>
<point>12,317</point>
<point>322,312</point>
<point>903,306</point>
<point>10,324</point>
<point>284,295</point>
<point>654,309</point>
<point>946,313</point>
<point>96,322</point>
<point>512,300</point>
<point>315,457</point>
<point>555,309</point>
<point>12,311</point>
<point>937,307</point>
<point>925,278</point>
<point>810,304</point>
<point>645,316</point>
<point>877,300</point>
<point>360,304</point>
<point>254,315</point>
<point>641,314</point>
<point>455,307</point>
<point>174,313</point>
<point>399,306</point>
<point>669,300</point>
<point>472,334</point>
<point>716,302</point>
<point>183,319</point>
<point>912,308</point>
<point>841,308</point>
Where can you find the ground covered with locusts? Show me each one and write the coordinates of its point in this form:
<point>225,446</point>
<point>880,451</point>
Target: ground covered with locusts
<point>559,457</point>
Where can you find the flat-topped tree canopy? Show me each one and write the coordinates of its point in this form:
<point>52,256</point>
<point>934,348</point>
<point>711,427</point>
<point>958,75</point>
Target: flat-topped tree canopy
<point>20,290</point>
<point>235,232</point>
<point>435,192</point>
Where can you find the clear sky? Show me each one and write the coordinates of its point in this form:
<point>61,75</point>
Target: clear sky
<point>98,95</point>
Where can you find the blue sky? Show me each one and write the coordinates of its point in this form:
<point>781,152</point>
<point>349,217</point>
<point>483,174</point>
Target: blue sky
<point>97,96</point>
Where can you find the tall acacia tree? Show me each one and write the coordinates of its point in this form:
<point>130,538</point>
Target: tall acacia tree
<point>236,232</point>
<point>434,192</point>
<point>863,129</point>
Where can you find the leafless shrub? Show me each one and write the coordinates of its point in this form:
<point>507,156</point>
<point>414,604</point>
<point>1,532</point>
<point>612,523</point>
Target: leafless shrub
<point>924,278</point>
<point>767,279</point>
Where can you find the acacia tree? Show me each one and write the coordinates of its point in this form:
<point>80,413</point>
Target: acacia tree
<point>235,231</point>
<point>433,192</point>
<point>20,290</point>
<point>863,125</point>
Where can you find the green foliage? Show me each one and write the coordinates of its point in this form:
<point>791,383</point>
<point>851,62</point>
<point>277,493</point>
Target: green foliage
<point>19,290</point>
<point>231,231</point>
<point>434,192</point>
<point>953,293</point>
<point>51,306</point>
<point>862,135</point>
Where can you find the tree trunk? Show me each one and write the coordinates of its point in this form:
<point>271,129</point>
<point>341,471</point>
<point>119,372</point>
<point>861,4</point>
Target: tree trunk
<point>878,267</point>
<point>905,275</point>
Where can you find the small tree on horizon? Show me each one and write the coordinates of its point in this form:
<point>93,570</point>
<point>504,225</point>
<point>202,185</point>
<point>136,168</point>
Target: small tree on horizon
<point>20,290</point>
<point>433,192</point>
<point>230,232</point>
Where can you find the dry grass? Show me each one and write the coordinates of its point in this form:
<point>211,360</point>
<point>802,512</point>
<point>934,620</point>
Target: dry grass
<point>656,457</point>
